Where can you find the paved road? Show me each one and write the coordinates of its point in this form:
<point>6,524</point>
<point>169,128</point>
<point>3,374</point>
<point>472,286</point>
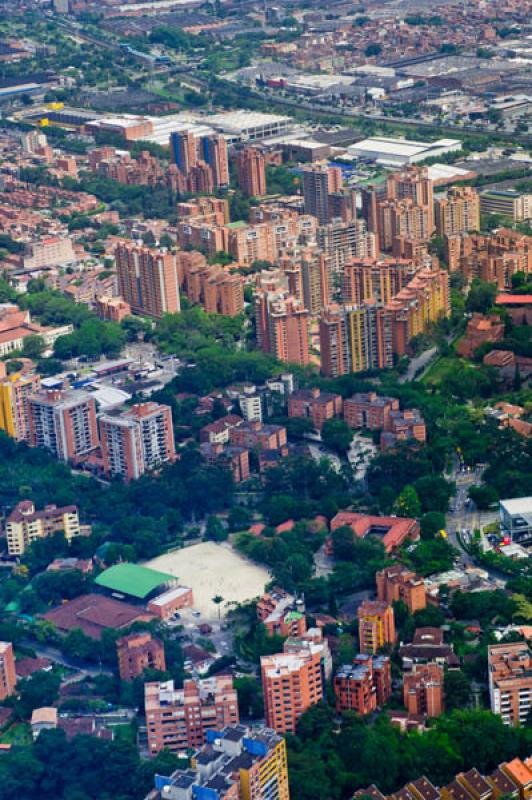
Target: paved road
<point>52,653</point>
<point>423,361</point>
<point>323,563</point>
<point>466,517</point>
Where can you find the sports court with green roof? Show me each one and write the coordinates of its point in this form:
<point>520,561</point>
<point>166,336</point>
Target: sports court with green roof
<point>133,580</point>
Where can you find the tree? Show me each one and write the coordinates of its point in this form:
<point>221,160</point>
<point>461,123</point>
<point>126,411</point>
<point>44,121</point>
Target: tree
<point>434,555</point>
<point>485,606</point>
<point>429,617</point>
<point>250,701</point>
<point>483,496</point>
<point>457,687</point>
<point>215,530</point>
<point>41,689</point>
<point>7,293</point>
<point>218,600</point>
<point>373,49</point>
<point>239,519</point>
<point>431,523</point>
<point>148,237</point>
<point>166,241</point>
<point>134,327</point>
<point>79,646</point>
<point>481,296</point>
<point>33,346</point>
<point>433,492</point>
<point>55,586</point>
<point>315,721</point>
<point>337,434</point>
<point>407,504</point>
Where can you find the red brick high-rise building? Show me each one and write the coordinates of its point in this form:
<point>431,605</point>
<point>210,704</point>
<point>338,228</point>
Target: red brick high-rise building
<point>459,212</point>
<point>334,344</point>
<point>405,214</point>
<point>223,293</point>
<point>282,323</point>
<point>185,151</point>
<point>363,685</point>
<point>399,583</point>
<point>369,410</point>
<point>147,279</point>
<point>202,161</point>
<point>215,155</point>
<point>291,683</point>
<point>63,422</point>
<point>251,169</point>
<point>319,181</point>
<point>8,677</point>
<point>178,719</point>
<point>315,405</point>
<point>403,220</point>
<point>413,183</point>
<point>137,652</point>
<point>510,681</point>
<point>423,691</point>
<point>137,440</point>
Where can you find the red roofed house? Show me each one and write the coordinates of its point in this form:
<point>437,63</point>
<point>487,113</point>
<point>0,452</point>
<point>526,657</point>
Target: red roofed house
<point>518,306</point>
<point>480,329</point>
<point>218,432</point>
<point>94,612</point>
<point>393,531</point>
<point>499,359</point>
<point>25,667</point>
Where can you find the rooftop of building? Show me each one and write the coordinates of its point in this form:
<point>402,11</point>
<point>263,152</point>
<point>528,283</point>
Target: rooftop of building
<point>513,299</point>
<point>164,693</point>
<point>520,772</point>
<point>133,580</point>
<point>371,398</point>
<point>25,511</point>
<point>27,666</point>
<point>392,530</point>
<point>169,595</point>
<point>44,715</point>
<point>401,147</point>
<point>428,636</point>
<point>237,121</point>
<point>517,505</point>
<point>314,395</point>
<point>279,664</point>
<point>93,613</point>
<point>226,753</point>
<point>425,789</point>
<point>477,781</point>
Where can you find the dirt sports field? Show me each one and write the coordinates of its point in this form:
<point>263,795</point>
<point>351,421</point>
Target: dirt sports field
<point>212,569</point>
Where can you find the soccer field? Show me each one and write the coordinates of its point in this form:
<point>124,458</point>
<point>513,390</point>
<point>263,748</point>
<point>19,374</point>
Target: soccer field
<point>212,569</point>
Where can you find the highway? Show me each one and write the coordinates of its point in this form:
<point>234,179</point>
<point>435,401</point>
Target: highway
<point>436,128</point>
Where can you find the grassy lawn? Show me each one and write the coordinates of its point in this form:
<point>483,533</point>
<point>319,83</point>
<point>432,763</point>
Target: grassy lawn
<point>125,732</point>
<point>439,370</point>
<point>18,734</point>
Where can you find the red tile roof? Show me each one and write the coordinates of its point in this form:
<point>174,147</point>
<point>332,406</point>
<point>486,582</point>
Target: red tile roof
<point>393,530</point>
<point>94,612</point>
